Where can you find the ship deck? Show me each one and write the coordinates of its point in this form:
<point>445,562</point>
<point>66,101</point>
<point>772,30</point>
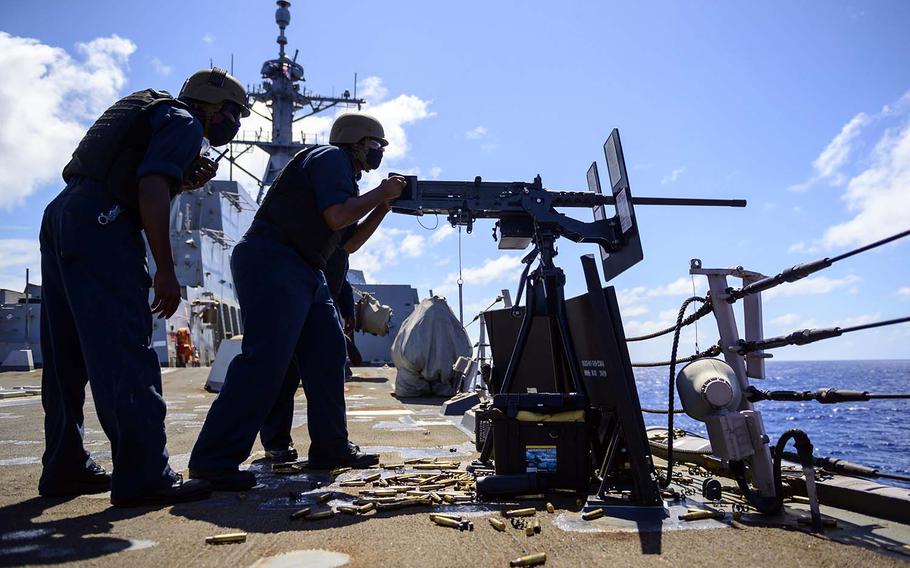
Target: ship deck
<point>87,530</point>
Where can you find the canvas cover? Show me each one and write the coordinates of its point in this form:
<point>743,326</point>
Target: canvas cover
<point>428,344</point>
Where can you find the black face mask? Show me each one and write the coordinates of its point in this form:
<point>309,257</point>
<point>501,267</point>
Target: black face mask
<point>223,132</point>
<point>374,158</point>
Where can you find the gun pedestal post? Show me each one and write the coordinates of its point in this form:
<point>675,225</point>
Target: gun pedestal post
<point>545,296</point>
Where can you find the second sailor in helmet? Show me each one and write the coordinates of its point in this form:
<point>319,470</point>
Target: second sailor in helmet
<point>287,308</point>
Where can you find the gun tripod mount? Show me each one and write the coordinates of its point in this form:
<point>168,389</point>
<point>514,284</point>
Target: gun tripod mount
<point>526,213</point>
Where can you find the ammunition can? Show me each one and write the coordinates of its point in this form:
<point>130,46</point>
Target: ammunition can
<point>550,508</point>
<point>300,514</point>
<point>528,512</point>
<point>530,560</point>
<point>497,524</point>
<point>228,538</point>
<point>591,515</point>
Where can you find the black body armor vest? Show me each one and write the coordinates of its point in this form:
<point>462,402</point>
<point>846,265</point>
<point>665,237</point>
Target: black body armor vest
<point>290,206</point>
<point>114,147</point>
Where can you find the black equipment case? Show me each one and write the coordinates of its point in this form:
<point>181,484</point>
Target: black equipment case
<point>542,434</point>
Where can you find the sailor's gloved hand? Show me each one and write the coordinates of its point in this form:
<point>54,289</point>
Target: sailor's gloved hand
<point>167,294</point>
<point>392,187</point>
<point>201,171</point>
<point>348,325</point>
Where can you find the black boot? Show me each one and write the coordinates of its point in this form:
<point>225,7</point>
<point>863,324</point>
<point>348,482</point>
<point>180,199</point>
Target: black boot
<point>179,491</point>
<point>235,480</point>
<point>353,458</point>
<point>92,479</point>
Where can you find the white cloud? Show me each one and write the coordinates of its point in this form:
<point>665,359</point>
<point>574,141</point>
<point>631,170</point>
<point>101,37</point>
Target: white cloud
<point>394,114</point>
<point>786,319</point>
<point>413,245</point>
<point>47,99</point>
<point>876,188</point>
<point>208,38</point>
<point>435,172</point>
<point>503,270</point>
<point>492,269</point>
<point>673,176</point>
<point>879,197</point>
<point>476,133</point>
<point>827,165</point>
<point>904,292</point>
<point>442,233</point>
<point>682,286</point>
<point>15,256</point>
<point>813,285</point>
<point>160,67</point>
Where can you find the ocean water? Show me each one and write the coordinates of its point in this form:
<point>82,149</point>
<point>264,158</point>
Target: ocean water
<point>874,433</point>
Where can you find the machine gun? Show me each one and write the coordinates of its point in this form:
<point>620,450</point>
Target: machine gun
<point>526,211</point>
<point>526,214</point>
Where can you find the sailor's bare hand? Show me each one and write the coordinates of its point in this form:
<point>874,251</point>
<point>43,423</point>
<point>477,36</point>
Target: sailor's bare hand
<point>167,294</point>
<point>391,187</point>
<point>201,171</point>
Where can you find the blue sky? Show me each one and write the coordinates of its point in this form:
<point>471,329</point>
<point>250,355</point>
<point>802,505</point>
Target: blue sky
<point>800,107</point>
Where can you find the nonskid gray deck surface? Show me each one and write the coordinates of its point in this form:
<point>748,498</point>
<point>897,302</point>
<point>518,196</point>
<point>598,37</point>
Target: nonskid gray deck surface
<point>86,530</point>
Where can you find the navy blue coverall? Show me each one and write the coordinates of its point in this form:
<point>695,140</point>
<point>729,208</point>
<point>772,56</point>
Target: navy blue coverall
<point>96,324</point>
<point>276,430</point>
<point>288,313</point>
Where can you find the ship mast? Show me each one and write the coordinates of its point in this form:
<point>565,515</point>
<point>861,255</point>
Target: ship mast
<point>283,97</point>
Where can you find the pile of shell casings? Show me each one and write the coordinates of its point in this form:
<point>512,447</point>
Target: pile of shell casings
<point>435,483</point>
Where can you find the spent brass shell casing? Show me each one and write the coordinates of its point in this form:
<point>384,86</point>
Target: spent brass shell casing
<point>366,508</point>
<point>324,497</point>
<point>701,515</point>
<point>228,538</point>
<point>594,514</point>
<point>418,460</point>
<point>352,483</point>
<point>529,530</point>
<point>536,525</point>
<point>320,515</point>
<point>550,508</point>
<point>300,514</point>
<point>434,497</point>
<point>380,492</point>
<point>348,510</point>
<point>448,516</point>
<point>530,560</point>
<point>372,477</point>
<point>392,465</point>
<point>528,512</point>
<point>497,524</point>
<point>339,471</point>
<point>445,522</point>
